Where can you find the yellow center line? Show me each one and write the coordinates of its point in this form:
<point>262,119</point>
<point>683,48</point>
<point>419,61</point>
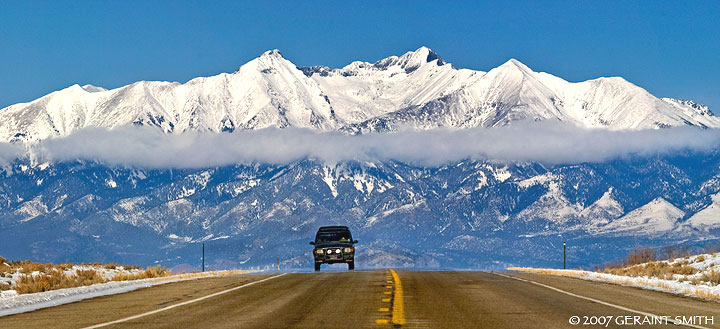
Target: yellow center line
<point>388,299</point>
<point>398,314</point>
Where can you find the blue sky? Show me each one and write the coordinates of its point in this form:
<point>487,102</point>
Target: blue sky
<point>670,48</point>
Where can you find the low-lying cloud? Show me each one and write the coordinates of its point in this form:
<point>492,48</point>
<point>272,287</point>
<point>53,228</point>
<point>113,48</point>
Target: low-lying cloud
<point>549,143</point>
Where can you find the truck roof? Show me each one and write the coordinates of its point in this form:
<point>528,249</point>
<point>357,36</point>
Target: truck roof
<point>333,228</point>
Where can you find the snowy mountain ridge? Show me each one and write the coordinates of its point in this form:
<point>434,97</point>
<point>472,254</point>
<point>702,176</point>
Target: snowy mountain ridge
<point>418,90</point>
<point>474,214</point>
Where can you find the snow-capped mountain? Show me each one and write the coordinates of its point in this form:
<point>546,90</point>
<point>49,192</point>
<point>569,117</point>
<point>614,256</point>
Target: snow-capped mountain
<point>417,90</point>
<point>470,213</point>
<point>708,218</point>
<point>657,217</point>
<point>466,214</point>
<point>267,91</point>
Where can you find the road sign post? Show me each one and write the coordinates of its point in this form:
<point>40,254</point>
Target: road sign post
<point>564,256</point>
<point>203,257</point>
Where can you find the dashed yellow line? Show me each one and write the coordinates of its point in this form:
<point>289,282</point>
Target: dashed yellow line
<point>398,307</point>
<point>388,280</point>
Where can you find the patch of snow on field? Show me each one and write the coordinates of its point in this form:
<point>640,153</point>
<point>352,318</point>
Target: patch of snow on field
<point>12,303</point>
<point>106,273</point>
<point>693,285</point>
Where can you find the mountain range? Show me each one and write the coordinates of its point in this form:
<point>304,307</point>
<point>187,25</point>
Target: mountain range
<point>417,90</point>
<point>469,214</point>
<point>472,213</point>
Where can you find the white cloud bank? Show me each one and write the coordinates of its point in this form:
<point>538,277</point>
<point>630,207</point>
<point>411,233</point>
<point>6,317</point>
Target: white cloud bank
<point>550,143</point>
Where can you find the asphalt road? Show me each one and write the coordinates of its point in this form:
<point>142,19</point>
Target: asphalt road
<point>375,299</point>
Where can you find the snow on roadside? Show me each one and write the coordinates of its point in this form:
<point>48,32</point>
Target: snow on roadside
<point>12,303</point>
<point>106,272</point>
<point>702,290</point>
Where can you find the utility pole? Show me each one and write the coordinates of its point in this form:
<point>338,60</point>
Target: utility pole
<point>564,257</point>
<point>277,260</point>
<point>203,258</point>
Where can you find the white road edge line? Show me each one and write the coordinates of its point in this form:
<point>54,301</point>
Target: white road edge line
<point>599,301</point>
<point>181,304</point>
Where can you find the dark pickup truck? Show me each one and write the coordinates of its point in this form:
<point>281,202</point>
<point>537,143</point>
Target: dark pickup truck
<point>334,244</point>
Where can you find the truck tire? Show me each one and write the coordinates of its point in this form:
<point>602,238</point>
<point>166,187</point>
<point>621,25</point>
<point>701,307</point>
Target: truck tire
<point>351,265</point>
<point>317,267</point>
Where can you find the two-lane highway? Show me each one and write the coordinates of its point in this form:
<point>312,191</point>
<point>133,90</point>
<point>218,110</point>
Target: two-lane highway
<point>371,299</point>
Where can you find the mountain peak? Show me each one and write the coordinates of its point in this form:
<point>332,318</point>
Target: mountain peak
<point>74,88</point>
<point>515,64</point>
<point>268,61</point>
<point>272,53</point>
<point>511,69</point>
<point>92,89</point>
<point>699,108</point>
<point>411,60</point>
<point>422,55</point>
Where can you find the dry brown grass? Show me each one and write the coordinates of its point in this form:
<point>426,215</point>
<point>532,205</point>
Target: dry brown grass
<point>156,271</point>
<point>700,258</point>
<point>52,276</point>
<point>28,267</point>
<point>661,270</point>
<point>150,272</point>
<point>4,268</point>
<point>641,255</point>
<point>111,266</point>
<point>637,256</point>
<point>711,277</point>
<point>88,277</point>
<point>55,279</point>
<point>24,266</point>
<point>4,286</point>
<point>64,266</point>
<point>672,252</point>
<point>125,277</point>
